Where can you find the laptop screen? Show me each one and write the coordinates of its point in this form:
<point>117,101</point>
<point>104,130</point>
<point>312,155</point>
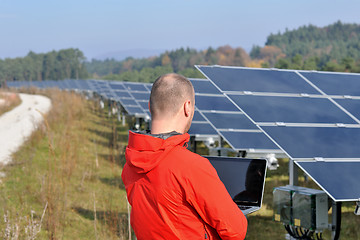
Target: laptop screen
<point>243,178</point>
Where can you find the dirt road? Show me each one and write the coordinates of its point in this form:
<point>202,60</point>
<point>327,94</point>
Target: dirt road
<point>18,124</point>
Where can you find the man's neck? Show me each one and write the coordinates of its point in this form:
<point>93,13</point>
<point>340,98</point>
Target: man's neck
<point>163,126</point>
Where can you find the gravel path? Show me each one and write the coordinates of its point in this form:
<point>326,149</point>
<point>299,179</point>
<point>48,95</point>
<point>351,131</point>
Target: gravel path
<point>18,124</point>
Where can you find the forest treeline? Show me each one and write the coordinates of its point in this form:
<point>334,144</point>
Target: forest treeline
<point>180,61</point>
<point>54,65</point>
<point>332,48</point>
<point>335,47</point>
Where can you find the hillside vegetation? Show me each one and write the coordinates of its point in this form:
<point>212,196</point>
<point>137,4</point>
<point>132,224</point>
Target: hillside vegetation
<point>332,48</point>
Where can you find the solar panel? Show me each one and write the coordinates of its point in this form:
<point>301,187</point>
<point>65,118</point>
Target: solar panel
<point>229,121</point>
<point>122,94</point>
<point>335,83</point>
<point>309,115</point>
<point>143,105</point>
<point>214,103</point>
<point>317,142</point>
<point>202,129</point>
<point>141,95</point>
<point>338,179</point>
<point>248,140</point>
<point>135,86</point>
<point>291,109</point>
<point>134,110</point>
<point>197,117</point>
<point>351,105</point>
<point>204,86</point>
<point>256,80</point>
<point>224,116</point>
<point>128,102</point>
<point>148,86</point>
<point>116,86</point>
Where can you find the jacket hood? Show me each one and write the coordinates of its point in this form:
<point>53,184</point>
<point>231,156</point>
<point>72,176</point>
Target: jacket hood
<point>145,152</point>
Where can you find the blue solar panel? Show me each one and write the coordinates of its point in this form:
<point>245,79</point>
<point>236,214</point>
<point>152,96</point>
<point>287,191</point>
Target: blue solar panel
<point>312,142</point>
<point>128,102</point>
<point>122,94</point>
<point>144,105</point>
<point>202,129</point>
<point>204,86</point>
<point>198,117</point>
<point>291,109</point>
<point>141,95</point>
<point>338,179</point>
<point>212,103</point>
<point>248,140</point>
<point>256,80</point>
<point>148,86</point>
<point>135,87</point>
<point>229,120</point>
<point>351,105</point>
<point>335,83</point>
<point>134,110</point>
<point>116,86</point>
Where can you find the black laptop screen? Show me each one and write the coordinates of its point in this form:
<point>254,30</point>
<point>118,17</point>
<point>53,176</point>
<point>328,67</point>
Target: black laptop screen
<point>243,178</point>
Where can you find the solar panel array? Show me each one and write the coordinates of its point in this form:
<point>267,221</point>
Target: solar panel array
<point>124,93</point>
<point>221,117</point>
<point>214,116</point>
<point>312,116</point>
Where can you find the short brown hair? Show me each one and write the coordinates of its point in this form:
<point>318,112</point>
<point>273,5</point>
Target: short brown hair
<point>168,93</point>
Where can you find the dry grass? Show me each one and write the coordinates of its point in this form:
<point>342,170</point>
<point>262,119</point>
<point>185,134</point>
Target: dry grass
<point>8,101</point>
<point>71,165</point>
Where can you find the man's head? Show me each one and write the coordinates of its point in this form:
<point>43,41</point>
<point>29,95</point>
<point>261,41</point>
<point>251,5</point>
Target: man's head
<point>172,99</point>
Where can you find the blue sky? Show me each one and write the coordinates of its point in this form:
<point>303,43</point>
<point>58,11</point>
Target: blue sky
<point>100,27</point>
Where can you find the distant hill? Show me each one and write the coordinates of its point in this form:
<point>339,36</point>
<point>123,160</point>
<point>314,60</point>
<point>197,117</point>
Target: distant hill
<point>181,60</point>
<point>135,53</point>
<point>333,42</point>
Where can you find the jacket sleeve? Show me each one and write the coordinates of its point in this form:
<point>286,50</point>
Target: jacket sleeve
<point>209,197</point>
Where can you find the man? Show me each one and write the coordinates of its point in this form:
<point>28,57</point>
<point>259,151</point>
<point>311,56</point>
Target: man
<point>175,193</point>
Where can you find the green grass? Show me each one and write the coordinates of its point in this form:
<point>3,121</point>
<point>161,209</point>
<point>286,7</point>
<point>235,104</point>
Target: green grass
<point>73,165</point>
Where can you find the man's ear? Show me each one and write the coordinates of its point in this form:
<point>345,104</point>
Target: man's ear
<point>149,106</point>
<point>187,108</point>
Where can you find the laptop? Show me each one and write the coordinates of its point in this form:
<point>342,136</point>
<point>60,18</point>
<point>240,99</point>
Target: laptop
<point>243,178</point>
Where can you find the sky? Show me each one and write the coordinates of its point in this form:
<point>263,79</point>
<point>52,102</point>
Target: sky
<point>105,27</point>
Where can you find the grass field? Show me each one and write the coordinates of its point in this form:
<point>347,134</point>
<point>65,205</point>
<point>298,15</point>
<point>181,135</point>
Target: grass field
<point>65,181</point>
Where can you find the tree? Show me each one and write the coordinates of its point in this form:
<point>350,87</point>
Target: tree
<point>283,64</point>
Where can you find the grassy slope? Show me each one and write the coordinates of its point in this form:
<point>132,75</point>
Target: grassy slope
<point>74,166</point>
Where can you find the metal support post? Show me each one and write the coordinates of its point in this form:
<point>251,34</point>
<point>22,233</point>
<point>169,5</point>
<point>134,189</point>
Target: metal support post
<point>123,119</point>
<point>293,173</point>
<point>336,220</point>
<point>118,114</point>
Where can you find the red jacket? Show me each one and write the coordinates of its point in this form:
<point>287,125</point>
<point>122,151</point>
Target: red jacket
<point>177,194</point>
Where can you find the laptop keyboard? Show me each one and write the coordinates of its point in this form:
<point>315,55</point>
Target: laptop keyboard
<point>244,207</point>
